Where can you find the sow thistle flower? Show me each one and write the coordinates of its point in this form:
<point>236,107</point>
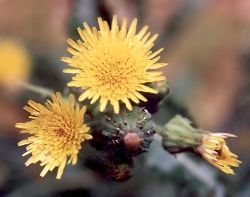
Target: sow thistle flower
<point>179,135</point>
<point>113,63</point>
<point>15,62</point>
<point>215,150</point>
<point>57,131</point>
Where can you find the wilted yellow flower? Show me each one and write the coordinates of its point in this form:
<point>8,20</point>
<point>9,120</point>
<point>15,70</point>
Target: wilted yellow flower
<point>15,62</point>
<point>57,131</point>
<point>113,63</point>
<point>215,150</point>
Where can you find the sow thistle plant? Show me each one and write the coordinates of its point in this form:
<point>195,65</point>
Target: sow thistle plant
<point>114,65</point>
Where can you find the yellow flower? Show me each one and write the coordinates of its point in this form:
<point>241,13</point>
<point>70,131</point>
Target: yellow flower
<point>113,63</point>
<point>57,131</point>
<point>215,150</point>
<point>15,62</point>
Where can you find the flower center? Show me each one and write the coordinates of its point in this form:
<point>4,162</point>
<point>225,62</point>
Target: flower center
<point>221,153</point>
<point>115,67</point>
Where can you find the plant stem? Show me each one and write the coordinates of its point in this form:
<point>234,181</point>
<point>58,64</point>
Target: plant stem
<point>37,89</point>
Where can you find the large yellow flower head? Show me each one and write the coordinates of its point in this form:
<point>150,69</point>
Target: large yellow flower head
<point>114,63</point>
<point>15,62</point>
<point>215,150</point>
<point>57,131</point>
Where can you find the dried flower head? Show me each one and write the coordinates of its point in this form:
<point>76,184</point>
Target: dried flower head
<point>57,131</point>
<point>215,150</point>
<point>113,64</point>
<point>15,62</point>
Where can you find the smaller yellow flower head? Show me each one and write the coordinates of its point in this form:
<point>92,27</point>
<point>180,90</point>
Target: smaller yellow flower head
<point>113,63</point>
<point>15,62</point>
<point>57,131</point>
<point>215,150</point>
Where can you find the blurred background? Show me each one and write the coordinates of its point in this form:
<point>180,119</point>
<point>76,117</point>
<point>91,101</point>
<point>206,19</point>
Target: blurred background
<point>207,46</point>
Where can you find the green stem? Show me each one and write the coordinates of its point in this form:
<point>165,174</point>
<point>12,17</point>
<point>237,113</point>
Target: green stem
<point>37,89</point>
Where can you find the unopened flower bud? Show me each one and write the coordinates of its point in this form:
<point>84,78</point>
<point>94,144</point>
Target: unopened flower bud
<point>129,132</point>
<point>163,90</point>
<point>111,167</point>
<point>178,135</point>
